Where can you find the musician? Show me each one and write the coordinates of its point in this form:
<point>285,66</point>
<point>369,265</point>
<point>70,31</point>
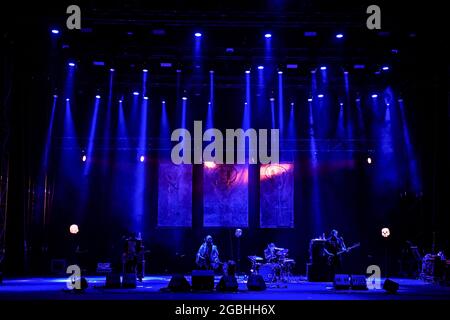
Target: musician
<point>132,255</point>
<point>333,246</point>
<point>208,256</point>
<point>269,253</point>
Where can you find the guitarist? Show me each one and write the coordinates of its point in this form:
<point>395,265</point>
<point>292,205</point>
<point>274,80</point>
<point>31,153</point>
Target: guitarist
<point>208,255</point>
<point>333,246</point>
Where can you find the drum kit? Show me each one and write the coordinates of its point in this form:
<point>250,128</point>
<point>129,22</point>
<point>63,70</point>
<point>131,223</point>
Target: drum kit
<point>276,270</point>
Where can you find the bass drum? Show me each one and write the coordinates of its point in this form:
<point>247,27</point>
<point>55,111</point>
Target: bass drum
<point>267,271</point>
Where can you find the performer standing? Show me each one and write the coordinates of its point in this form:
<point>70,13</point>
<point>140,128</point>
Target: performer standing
<point>333,247</point>
<point>208,255</point>
<point>133,250</point>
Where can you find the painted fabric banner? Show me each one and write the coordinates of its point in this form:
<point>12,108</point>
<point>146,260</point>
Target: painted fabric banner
<point>175,195</point>
<point>277,195</point>
<point>225,195</point>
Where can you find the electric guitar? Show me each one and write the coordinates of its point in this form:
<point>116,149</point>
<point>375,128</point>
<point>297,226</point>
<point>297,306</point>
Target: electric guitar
<point>331,257</point>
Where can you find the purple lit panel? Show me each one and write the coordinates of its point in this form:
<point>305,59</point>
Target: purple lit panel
<point>277,195</point>
<point>225,194</point>
<point>175,195</point>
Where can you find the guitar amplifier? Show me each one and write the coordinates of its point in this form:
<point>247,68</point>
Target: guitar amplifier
<point>203,280</point>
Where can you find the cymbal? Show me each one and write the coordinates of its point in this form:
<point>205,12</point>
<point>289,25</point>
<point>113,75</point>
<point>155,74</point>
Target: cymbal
<point>256,258</point>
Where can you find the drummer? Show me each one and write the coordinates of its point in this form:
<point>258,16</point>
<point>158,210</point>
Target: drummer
<point>270,253</point>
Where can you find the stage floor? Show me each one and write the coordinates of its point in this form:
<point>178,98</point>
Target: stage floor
<point>50,288</point>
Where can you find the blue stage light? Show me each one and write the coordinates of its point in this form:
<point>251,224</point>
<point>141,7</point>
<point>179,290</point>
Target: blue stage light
<point>339,36</point>
<point>67,99</point>
<point>71,64</point>
<point>112,70</point>
<point>136,93</point>
<point>309,99</point>
<point>184,98</point>
<point>97,97</point>
<point>268,35</point>
<point>385,68</point>
<point>141,158</point>
<point>323,68</point>
<point>247,71</point>
<point>144,70</point>
<point>84,158</point>
<point>374,96</point>
<point>55,31</point>
<point>280,72</point>
<point>198,34</point>
<point>320,96</point>
<point>145,98</point>
<point>260,67</point>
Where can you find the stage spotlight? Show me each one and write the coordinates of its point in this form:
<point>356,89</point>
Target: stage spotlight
<point>369,160</point>
<point>144,70</point>
<point>385,68</point>
<point>309,99</point>
<point>184,98</point>
<point>112,70</point>
<point>345,72</point>
<point>374,96</point>
<point>55,31</point>
<point>120,101</point>
<point>385,232</point>
<point>320,96</point>
<point>73,229</point>
<point>280,72</point>
<point>272,99</point>
<point>145,98</point>
<point>141,158</point>
<point>97,97</point>
<point>163,102</point>
<point>339,36</point>
<point>209,164</point>
<point>55,96</point>
<point>67,99</point>
<point>268,35</point>
<point>71,64</point>
<point>260,67</point>
<point>323,68</point>
<point>136,93</point>
<point>247,71</point>
<point>198,34</point>
<point>84,158</point>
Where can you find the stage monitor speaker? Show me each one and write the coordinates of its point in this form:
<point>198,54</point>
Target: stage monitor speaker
<point>358,282</point>
<point>129,281</point>
<point>227,283</point>
<point>390,286</point>
<point>203,280</point>
<point>341,281</point>
<point>256,282</point>
<point>112,280</point>
<point>178,283</point>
